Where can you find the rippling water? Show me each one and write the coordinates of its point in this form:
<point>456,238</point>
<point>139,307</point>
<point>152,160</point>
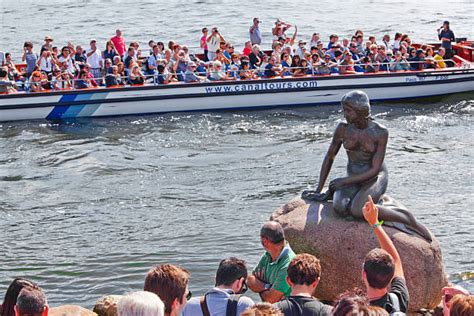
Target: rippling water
<point>87,207</point>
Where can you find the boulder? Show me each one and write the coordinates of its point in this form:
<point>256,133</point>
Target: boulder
<point>70,310</point>
<point>342,243</point>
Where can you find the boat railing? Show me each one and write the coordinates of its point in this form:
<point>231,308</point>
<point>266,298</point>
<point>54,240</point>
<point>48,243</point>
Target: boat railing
<point>152,79</point>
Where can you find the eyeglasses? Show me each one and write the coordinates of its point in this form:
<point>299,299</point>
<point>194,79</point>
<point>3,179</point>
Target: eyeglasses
<point>189,295</point>
<point>244,288</point>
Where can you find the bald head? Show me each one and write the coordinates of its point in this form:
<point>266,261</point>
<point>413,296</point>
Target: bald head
<point>273,232</point>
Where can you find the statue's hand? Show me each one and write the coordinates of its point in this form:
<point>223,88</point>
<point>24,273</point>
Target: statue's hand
<point>337,184</point>
<point>315,196</point>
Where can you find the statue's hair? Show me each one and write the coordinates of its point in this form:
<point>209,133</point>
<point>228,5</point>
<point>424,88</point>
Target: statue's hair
<point>358,100</point>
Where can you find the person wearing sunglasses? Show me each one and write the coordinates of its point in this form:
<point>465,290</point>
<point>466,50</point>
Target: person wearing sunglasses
<point>226,296</point>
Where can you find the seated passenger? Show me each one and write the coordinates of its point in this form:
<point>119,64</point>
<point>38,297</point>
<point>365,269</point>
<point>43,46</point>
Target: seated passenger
<point>382,58</point>
<point>286,63</point>
<point>399,63</point>
<point>12,71</point>
<point>83,82</point>
<point>256,57</point>
<point>247,49</point>
<point>6,85</point>
<point>119,63</point>
<point>246,73</point>
<point>347,65</point>
<point>368,66</point>
<point>315,61</point>
<point>217,73</point>
<point>190,75</point>
<point>110,51</point>
<point>417,62</point>
<point>56,80</point>
<point>136,76</point>
<point>152,61</point>
<point>302,69</point>
<point>273,69</point>
<point>163,76</point>
<point>114,78</point>
<point>107,68</point>
<point>295,63</point>
<point>35,81</point>
<point>429,59</point>
<point>80,56</point>
<point>439,57</point>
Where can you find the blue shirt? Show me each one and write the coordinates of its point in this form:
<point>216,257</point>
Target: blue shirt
<point>30,59</point>
<point>448,34</point>
<point>216,300</point>
<point>256,36</point>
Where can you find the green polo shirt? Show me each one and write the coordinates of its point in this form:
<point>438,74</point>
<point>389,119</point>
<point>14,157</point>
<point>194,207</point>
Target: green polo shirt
<point>275,272</point>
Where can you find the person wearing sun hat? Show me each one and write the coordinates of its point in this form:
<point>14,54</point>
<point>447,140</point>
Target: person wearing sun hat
<point>48,43</point>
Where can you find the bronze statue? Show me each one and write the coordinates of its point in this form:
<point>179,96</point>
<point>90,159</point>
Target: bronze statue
<point>365,142</point>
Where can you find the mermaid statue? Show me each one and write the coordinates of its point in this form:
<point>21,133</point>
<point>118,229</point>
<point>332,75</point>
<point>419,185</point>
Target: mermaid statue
<point>365,142</point>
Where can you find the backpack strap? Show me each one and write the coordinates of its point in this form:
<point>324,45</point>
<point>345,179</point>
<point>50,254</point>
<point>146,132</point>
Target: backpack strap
<point>395,302</point>
<point>204,308</point>
<point>232,302</point>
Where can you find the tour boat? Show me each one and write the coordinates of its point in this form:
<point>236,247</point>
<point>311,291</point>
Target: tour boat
<point>231,95</point>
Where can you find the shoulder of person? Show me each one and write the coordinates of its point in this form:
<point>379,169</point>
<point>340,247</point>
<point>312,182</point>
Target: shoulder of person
<point>245,300</point>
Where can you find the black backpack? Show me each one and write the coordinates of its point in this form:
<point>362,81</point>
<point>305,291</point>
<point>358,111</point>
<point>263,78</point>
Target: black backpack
<point>298,309</point>
<point>231,310</point>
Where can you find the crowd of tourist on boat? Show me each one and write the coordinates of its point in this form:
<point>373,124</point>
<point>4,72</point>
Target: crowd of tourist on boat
<point>117,64</point>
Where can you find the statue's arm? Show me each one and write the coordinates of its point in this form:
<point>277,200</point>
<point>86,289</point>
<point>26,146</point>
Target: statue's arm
<point>330,155</point>
<point>377,161</point>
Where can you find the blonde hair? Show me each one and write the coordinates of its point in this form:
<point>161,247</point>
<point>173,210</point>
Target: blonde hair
<point>462,305</point>
<point>262,309</point>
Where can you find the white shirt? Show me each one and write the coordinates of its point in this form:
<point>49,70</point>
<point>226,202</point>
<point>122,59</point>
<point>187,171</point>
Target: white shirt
<point>94,59</point>
<point>70,64</point>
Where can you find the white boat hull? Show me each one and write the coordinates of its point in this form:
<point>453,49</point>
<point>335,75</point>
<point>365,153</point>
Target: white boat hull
<point>231,95</point>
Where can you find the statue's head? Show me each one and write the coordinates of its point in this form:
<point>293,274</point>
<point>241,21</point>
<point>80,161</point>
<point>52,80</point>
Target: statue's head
<point>359,101</point>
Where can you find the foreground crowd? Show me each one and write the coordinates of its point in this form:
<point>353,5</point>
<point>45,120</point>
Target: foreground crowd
<point>285,282</point>
<point>75,67</point>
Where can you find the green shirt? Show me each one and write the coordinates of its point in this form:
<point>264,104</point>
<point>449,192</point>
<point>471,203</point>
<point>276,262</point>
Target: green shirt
<point>275,273</point>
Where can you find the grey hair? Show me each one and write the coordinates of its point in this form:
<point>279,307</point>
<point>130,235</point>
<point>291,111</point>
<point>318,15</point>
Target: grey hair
<point>140,303</point>
<point>358,100</point>
<point>273,232</point>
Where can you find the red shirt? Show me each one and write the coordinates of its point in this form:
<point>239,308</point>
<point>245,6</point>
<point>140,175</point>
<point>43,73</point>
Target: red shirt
<point>119,43</point>
<point>247,51</point>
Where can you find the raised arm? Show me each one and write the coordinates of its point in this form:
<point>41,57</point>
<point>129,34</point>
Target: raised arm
<point>371,216</point>
<point>330,155</point>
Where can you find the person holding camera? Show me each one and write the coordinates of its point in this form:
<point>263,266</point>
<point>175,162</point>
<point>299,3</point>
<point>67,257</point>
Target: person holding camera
<point>213,43</point>
<point>255,34</point>
<point>446,36</point>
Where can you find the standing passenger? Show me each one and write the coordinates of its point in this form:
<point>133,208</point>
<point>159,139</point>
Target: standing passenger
<point>203,42</point>
<point>119,43</point>
<point>30,58</point>
<point>94,59</point>
<point>213,43</point>
<point>446,35</point>
<point>255,34</point>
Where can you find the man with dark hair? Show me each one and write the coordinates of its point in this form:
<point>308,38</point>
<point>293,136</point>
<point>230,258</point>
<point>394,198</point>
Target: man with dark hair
<point>32,302</point>
<point>224,298</point>
<point>383,271</point>
<point>170,283</point>
<point>269,276</point>
<point>303,277</point>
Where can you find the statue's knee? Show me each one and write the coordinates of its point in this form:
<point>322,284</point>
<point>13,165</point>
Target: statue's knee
<point>340,206</point>
<point>356,210</point>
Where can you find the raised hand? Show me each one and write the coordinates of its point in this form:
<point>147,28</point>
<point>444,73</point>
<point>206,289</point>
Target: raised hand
<point>370,211</point>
